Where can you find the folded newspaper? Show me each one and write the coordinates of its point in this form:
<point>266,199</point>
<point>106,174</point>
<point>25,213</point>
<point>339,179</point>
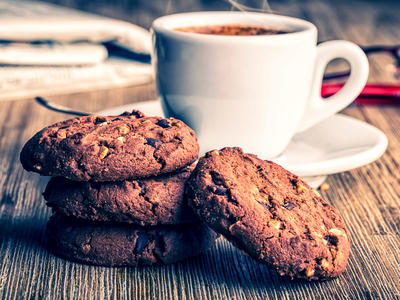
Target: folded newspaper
<point>48,49</point>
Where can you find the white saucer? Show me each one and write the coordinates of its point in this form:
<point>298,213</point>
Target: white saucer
<point>337,144</point>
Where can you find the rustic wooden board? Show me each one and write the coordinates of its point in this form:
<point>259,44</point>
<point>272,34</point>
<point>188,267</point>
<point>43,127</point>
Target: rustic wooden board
<point>367,197</point>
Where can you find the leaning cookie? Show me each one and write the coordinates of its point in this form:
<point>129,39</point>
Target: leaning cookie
<point>126,245</point>
<point>146,202</point>
<point>101,148</point>
<point>269,213</point>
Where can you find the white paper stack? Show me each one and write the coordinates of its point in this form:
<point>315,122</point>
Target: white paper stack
<point>47,49</point>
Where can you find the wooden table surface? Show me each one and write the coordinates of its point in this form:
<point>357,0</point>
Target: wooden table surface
<point>368,197</point>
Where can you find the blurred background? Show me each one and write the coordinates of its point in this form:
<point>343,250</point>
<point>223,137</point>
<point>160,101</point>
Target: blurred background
<point>374,25</point>
<point>143,12</point>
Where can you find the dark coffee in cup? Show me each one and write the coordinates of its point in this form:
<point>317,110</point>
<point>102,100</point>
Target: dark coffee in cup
<point>231,29</point>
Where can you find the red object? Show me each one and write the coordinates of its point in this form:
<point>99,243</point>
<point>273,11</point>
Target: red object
<point>380,94</point>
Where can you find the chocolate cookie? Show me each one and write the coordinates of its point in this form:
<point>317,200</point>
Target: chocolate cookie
<point>126,245</point>
<point>269,213</point>
<point>146,202</point>
<point>100,148</point>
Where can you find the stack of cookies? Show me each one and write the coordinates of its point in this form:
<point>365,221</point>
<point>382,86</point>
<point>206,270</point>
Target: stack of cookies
<point>117,189</point>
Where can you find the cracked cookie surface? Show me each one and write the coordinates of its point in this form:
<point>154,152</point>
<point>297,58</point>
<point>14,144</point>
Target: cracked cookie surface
<point>146,202</point>
<point>126,245</point>
<point>116,148</point>
<point>270,214</point>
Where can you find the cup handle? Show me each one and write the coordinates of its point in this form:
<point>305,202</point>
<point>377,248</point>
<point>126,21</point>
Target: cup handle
<point>319,108</point>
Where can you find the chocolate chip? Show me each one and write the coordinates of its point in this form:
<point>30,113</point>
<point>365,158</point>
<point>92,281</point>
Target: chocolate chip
<point>163,123</point>
<point>141,242</point>
<point>293,182</point>
<point>262,171</point>
<point>289,205</point>
<point>231,198</point>
<point>216,178</point>
<point>136,113</point>
<point>178,138</point>
<point>155,143</point>
<point>77,137</point>
<point>100,120</point>
<point>332,240</point>
<point>218,190</point>
<point>143,188</point>
<point>264,204</point>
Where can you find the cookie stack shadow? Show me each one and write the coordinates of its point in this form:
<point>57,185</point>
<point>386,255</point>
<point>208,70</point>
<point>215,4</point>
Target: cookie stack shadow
<point>117,189</point>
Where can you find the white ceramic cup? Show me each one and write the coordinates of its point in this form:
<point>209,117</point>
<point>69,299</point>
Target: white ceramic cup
<point>253,92</point>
